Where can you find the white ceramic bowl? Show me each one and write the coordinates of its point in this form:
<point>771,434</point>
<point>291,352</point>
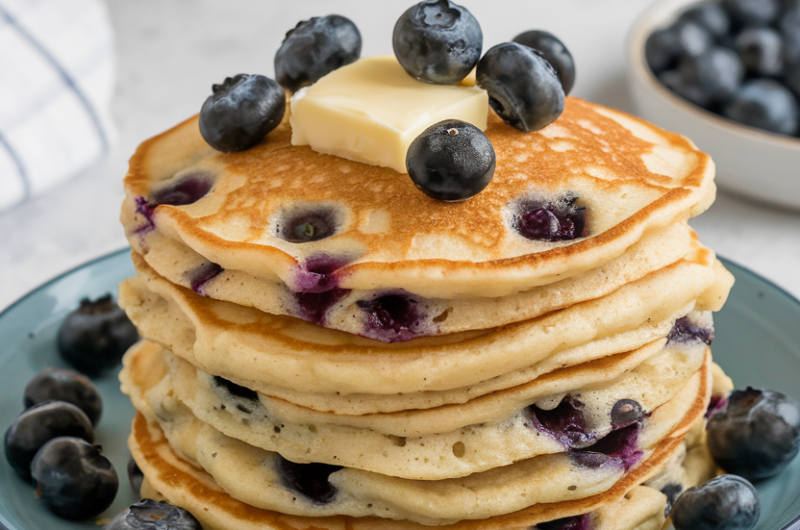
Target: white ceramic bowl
<point>749,161</point>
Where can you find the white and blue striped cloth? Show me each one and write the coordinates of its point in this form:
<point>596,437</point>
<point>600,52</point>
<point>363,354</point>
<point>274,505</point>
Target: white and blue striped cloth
<point>56,83</point>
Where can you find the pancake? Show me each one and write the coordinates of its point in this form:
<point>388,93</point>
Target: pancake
<point>171,397</point>
<point>353,311</point>
<point>240,343</point>
<point>169,477</point>
<point>264,479</point>
<point>631,177</point>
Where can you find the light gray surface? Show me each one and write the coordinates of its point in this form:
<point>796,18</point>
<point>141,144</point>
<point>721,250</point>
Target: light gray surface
<point>171,51</point>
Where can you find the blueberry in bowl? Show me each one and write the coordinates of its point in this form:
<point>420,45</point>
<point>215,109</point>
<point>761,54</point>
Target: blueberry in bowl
<point>751,133</point>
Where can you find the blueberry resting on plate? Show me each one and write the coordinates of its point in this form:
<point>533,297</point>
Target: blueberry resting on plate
<point>62,384</point>
<point>315,48</point>
<point>757,434</point>
<point>554,52</point>
<point>726,502</point>
<point>148,514</point>
<point>451,161</point>
<point>437,41</point>
<point>73,479</point>
<point>523,87</point>
<point>94,337</point>
<point>241,111</point>
<point>40,424</point>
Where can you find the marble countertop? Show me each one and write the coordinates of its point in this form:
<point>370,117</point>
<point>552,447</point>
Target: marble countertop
<point>170,52</point>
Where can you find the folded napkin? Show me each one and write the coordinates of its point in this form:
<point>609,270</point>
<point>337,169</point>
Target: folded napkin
<point>56,82</point>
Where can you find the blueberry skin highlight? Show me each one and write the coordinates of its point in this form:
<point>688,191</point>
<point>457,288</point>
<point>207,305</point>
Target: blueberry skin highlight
<point>62,384</point>
<point>94,337</point>
<point>437,41</point>
<point>524,89</point>
<point>554,52</point>
<point>241,111</point>
<point>757,434</point>
<point>38,425</point>
<point>148,514</point>
<point>451,161</point>
<point>726,502</point>
<point>73,479</point>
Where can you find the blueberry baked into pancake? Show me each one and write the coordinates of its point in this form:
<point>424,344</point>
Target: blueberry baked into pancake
<point>409,295</point>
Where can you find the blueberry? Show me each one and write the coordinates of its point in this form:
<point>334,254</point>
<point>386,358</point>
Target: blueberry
<point>315,48</point>
<point>73,479</point>
<point>577,522</point>
<point>566,423</point>
<point>726,502</point>
<point>765,104</point>
<point>246,399</point>
<point>664,47</point>
<point>62,384</point>
<point>792,79</point>
<point>789,26</point>
<point>135,476</point>
<point>241,111</point>
<point>309,480</point>
<point>625,412</point>
<point>148,514</point>
<point>308,225</point>
<point>437,41</point>
<point>451,161</point>
<point>94,337</point>
<point>40,424</point>
<point>752,12</point>
<point>188,190</point>
<point>392,317</point>
<point>523,88</point>
<point>716,75</point>
<point>673,80</point>
<point>761,51</point>
<point>554,52</point>
<point>711,17</point>
<point>556,219</point>
<point>757,434</point>
<point>685,330</point>
<point>672,491</point>
<point>199,277</point>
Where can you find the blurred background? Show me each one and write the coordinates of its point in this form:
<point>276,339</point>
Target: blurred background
<point>160,57</point>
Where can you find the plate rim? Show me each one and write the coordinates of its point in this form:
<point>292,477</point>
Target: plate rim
<point>794,524</point>
<point>60,276</point>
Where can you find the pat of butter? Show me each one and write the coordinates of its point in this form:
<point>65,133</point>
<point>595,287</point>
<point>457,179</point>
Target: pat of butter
<point>371,110</point>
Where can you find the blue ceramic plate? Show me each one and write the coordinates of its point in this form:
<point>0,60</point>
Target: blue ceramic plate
<point>758,344</point>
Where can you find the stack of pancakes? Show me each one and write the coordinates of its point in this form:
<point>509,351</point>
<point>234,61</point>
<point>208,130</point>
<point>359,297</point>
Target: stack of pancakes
<point>329,348</point>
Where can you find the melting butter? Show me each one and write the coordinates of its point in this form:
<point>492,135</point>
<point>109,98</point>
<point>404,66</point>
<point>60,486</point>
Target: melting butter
<point>371,110</point>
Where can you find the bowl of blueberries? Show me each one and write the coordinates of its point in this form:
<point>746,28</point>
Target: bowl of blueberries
<point>726,73</point>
